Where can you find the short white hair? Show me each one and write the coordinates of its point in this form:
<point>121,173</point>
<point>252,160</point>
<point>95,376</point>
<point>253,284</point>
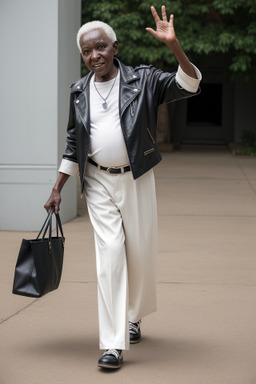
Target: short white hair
<point>91,25</point>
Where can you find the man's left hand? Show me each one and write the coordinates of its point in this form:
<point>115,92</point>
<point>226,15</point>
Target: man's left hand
<point>164,29</point>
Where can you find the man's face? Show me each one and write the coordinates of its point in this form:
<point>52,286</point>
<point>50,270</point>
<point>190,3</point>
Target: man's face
<point>98,54</point>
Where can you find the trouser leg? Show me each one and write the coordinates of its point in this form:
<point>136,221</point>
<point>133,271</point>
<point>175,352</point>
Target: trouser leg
<point>123,214</point>
<point>111,264</point>
<point>139,213</point>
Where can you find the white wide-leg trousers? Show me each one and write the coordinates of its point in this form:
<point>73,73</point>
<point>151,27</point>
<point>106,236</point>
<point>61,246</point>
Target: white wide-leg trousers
<point>124,217</point>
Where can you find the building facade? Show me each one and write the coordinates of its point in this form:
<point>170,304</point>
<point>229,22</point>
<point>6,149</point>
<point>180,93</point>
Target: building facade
<point>39,61</point>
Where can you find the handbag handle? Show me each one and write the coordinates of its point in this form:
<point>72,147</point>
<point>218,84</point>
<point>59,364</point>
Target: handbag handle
<point>48,226</point>
<point>59,226</point>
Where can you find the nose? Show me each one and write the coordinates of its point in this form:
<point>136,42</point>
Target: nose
<point>95,54</point>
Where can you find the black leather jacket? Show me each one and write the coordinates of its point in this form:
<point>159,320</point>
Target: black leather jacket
<point>142,90</point>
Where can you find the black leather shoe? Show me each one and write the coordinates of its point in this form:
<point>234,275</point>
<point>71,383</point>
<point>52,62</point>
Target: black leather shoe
<point>134,332</point>
<point>111,359</point>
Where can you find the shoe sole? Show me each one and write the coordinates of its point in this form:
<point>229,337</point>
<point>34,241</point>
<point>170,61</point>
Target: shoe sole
<point>135,341</point>
<point>108,366</point>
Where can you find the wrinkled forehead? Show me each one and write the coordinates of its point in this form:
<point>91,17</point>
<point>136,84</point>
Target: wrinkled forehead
<point>94,36</point>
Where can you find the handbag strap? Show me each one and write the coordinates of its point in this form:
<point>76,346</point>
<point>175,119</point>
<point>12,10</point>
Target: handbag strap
<point>48,225</point>
<point>58,225</point>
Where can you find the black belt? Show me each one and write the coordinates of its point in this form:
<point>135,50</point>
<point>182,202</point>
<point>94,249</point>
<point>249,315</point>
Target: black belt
<point>113,170</point>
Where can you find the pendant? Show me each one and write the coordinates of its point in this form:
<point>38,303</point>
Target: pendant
<point>104,105</point>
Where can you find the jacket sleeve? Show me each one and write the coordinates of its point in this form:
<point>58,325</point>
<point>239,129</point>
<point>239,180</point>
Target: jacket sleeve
<point>68,167</point>
<point>69,164</point>
<point>168,87</point>
<point>190,84</point>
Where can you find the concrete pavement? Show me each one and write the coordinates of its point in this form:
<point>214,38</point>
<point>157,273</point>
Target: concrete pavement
<point>204,330</point>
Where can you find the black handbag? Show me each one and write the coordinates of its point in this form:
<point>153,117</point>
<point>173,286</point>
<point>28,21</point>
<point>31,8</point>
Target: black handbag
<point>39,266</point>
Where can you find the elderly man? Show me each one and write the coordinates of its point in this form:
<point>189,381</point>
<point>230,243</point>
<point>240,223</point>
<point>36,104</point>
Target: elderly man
<point>112,143</point>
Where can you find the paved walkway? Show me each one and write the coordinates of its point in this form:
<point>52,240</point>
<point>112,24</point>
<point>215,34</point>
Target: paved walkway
<point>205,329</point>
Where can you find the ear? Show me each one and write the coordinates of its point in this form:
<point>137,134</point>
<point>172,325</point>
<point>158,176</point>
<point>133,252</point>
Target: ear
<point>115,47</point>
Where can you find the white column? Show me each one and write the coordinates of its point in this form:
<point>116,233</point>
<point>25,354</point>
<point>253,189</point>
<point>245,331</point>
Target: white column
<point>39,60</point>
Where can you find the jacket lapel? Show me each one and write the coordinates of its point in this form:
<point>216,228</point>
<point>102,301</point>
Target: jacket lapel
<point>128,88</point>
<point>81,91</point>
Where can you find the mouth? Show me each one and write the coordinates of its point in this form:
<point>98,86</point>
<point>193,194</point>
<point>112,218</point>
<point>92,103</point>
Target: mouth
<point>99,65</point>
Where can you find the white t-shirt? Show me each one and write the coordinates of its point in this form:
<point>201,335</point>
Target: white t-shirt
<point>107,146</point>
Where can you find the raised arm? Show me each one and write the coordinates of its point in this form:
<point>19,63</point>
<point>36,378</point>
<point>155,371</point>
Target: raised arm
<point>165,33</point>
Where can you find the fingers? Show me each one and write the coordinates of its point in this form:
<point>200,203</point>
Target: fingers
<point>164,16</point>
<point>155,14</point>
<point>48,207</point>
<point>164,27</point>
<point>150,30</point>
<point>52,202</point>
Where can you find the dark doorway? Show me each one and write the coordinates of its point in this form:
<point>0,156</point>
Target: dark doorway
<point>206,108</point>
<point>207,118</point>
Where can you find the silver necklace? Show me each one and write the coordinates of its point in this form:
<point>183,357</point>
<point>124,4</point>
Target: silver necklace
<point>104,105</point>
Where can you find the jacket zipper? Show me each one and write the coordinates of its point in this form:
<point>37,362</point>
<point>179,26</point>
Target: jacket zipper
<point>152,138</point>
<point>153,141</point>
<point>149,151</point>
<point>132,109</point>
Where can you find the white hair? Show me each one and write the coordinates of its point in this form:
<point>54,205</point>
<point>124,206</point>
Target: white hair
<point>91,25</point>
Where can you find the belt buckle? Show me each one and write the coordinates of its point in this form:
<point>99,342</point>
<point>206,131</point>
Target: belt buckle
<point>108,170</point>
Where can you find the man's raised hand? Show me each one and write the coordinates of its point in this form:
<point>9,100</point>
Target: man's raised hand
<point>164,29</point>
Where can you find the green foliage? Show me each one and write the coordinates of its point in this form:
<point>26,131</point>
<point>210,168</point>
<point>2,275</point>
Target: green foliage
<point>249,144</point>
<point>249,138</point>
<point>203,27</point>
